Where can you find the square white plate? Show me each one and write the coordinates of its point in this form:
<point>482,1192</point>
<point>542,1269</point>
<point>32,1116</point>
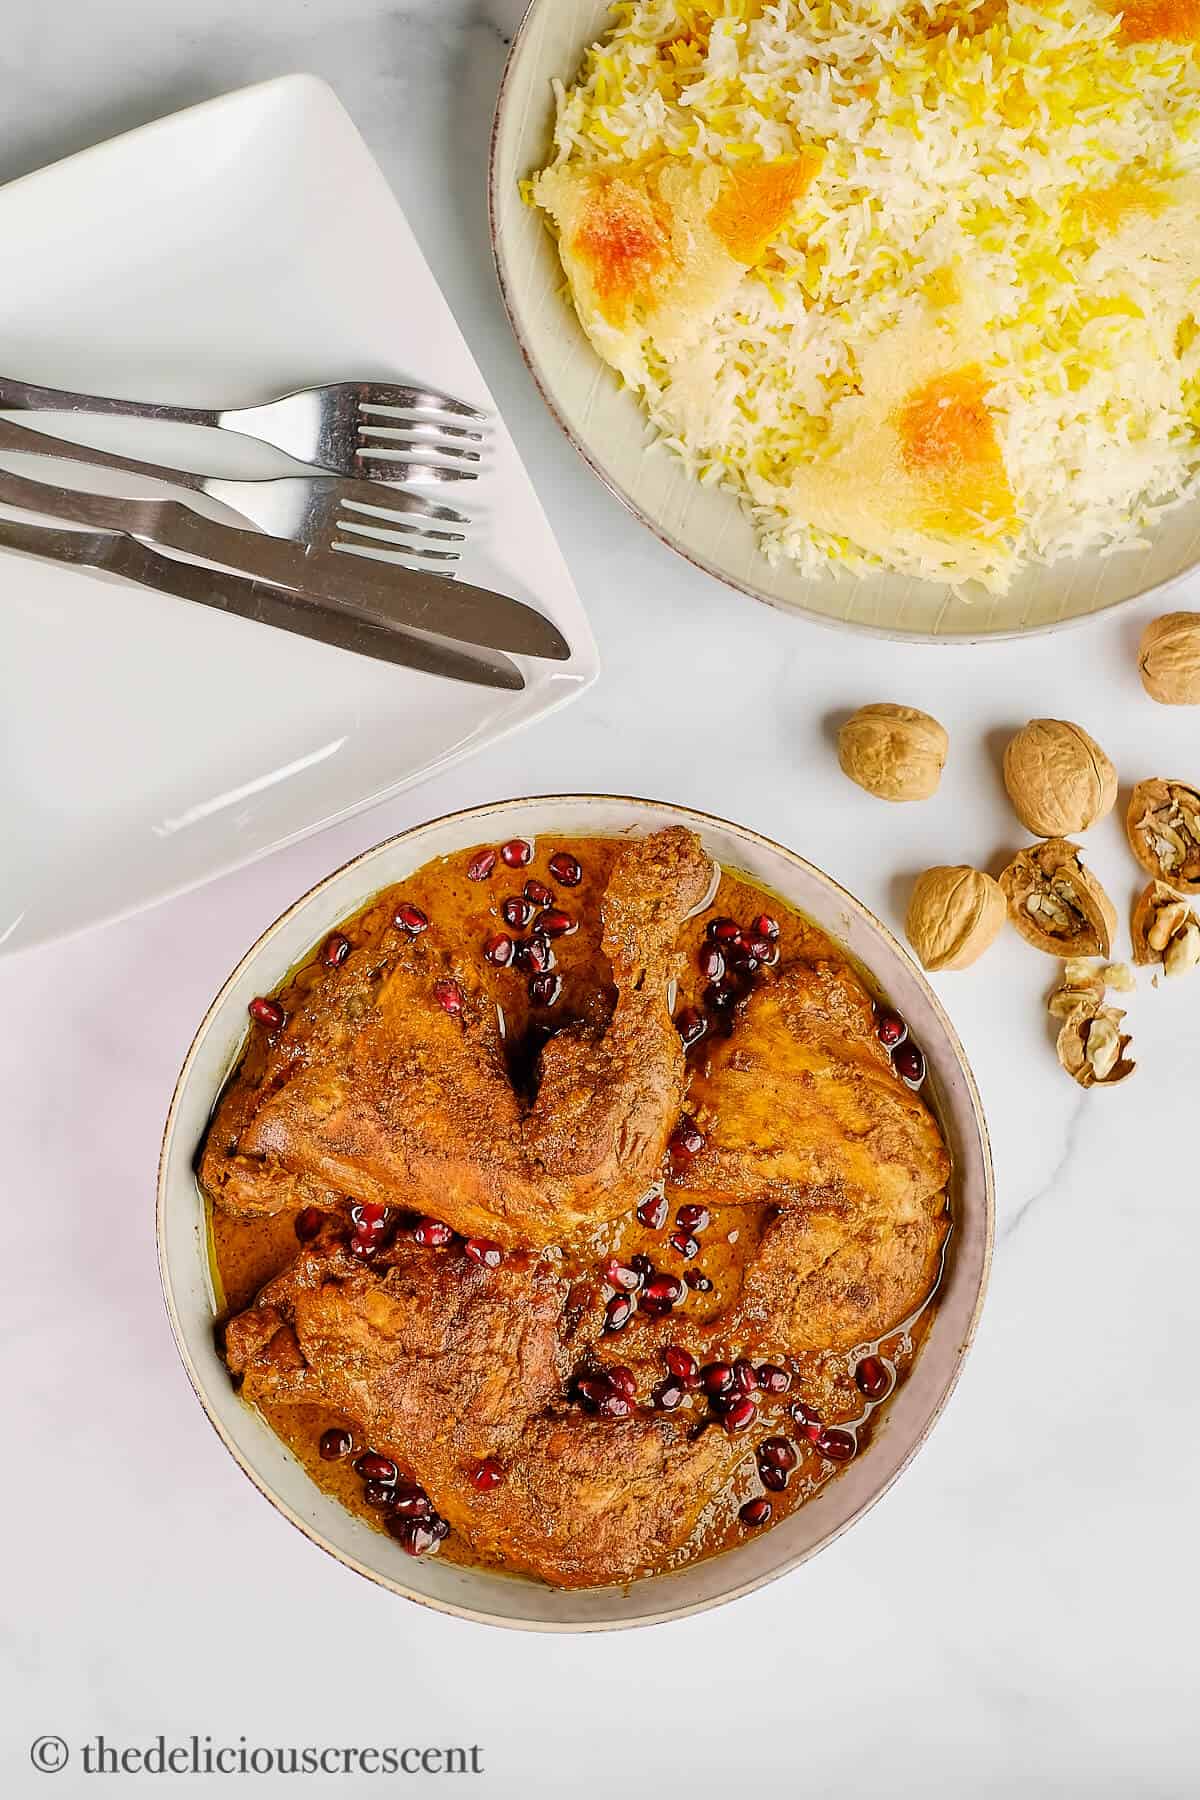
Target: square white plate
<point>242,248</point>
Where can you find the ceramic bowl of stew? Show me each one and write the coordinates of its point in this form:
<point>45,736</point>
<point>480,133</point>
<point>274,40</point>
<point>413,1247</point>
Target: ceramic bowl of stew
<point>193,1294</point>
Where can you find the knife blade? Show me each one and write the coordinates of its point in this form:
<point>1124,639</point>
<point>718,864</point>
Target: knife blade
<point>117,554</point>
<point>410,598</point>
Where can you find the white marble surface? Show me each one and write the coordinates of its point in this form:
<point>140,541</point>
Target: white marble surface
<point>1017,1616</point>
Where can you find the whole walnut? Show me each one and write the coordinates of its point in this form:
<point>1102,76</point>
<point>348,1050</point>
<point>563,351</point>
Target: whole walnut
<point>1169,659</point>
<point>953,915</point>
<point>894,752</point>
<point>1058,778</point>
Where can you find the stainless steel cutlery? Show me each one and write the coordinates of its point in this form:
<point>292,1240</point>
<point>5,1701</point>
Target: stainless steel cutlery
<point>117,554</point>
<point>374,594</point>
<point>350,427</point>
<point>322,510</point>
<point>332,557</point>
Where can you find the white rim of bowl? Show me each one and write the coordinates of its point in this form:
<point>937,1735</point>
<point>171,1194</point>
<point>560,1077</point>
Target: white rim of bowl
<point>796,608</point>
<point>698,820</point>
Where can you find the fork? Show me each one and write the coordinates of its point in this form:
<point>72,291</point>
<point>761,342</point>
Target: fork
<point>306,508</point>
<point>328,426</point>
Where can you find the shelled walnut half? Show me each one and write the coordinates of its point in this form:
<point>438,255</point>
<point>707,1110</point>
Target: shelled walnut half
<point>1165,930</point>
<point>1056,904</point>
<point>1163,827</point>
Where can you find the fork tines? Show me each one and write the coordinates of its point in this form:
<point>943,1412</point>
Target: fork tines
<point>382,396</point>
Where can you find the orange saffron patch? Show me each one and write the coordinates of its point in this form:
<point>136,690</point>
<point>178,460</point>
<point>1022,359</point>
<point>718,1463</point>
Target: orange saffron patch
<point>755,203</point>
<point>1108,207</point>
<point>948,441</point>
<point>624,247</point>
<point>1154,21</point>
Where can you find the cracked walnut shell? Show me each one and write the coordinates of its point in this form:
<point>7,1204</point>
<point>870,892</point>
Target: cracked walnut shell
<point>1163,827</point>
<point>1092,1047</point>
<point>1056,904</point>
<point>1058,778</point>
<point>1165,930</point>
<point>1169,659</point>
<point>953,916</point>
<point>894,752</point>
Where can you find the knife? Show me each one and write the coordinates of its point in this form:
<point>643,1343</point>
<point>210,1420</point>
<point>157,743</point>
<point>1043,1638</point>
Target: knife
<point>411,598</point>
<point>115,553</point>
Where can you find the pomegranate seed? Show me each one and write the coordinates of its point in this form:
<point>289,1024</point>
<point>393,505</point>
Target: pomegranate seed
<point>723,931</point>
<point>433,1234</point>
<point>535,955</point>
<point>909,1064</point>
<point>777,1453</point>
<point>765,926</point>
<point>626,1280</point>
<point>835,1445</point>
<point>558,924</point>
<point>652,1213</point>
<point>517,853</point>
<point>544,990</point>
<point>890,1029</point>
<point>448,995</point>
<point>615,1406</point>
<point>498,950</point>
<point>539,893</point>
<point>682,1365</point>
<point>684,1244</point>
<point>481,865</point>
<point>711,961</point>
<point>410,918</point>
<point>808,1423</point>
<point>717,1378</point>
<point>309,1223</point>
<point>687,1139</point>
<point>335,950</point>
<point>775,1479</point>
<point>370,1220</point>
<point>761,949</point>
<point>418,1536</point>
<point>373,1467</point>
<point>486,1475</point>
<point>484,1252</point>
<point>378,1493</point>
<point>873,1377</point>
<point>744,965</point>
<point>566,868</point>
<point>663,1290</point>
<point>336,1443</point>
<point>699,1283</point>
<point>266,1012</point>
<point>621,1381</point>
<point>718,997</point>
<point>411,1501</point>
<point>772,1379</point>
<point>517,912</point>
<point>756,1512</point>
<point>589,1391</point>
<point>692,1218</point>
<point>668,1395</point>
<point>641,1262</point>
<point>363,1245</point>
<point>618,1312</point>
<point>745,1380</point>
<point>691,1026</point>
<point>739,1415</point>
